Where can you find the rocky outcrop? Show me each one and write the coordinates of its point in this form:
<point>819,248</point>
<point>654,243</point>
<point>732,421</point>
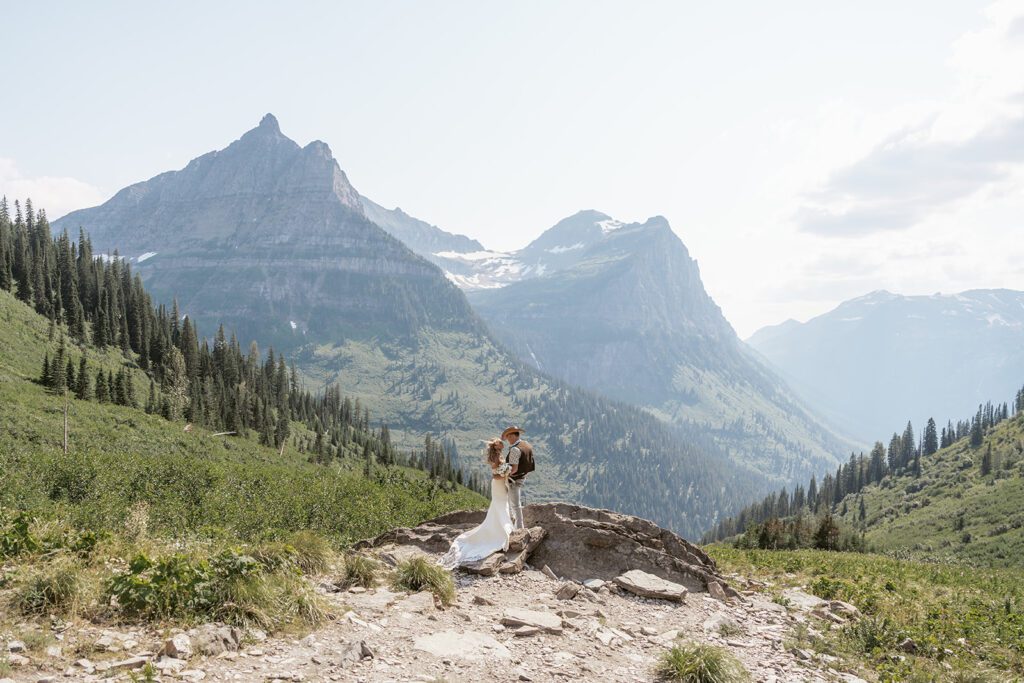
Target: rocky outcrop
<point>577,543</point>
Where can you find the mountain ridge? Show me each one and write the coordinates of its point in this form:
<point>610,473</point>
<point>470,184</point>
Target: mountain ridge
<point>884,354</point>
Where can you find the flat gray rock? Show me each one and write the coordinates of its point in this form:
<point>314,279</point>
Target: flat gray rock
<point>469,645</point>
<point>650,586</point>
<point>545,621</point>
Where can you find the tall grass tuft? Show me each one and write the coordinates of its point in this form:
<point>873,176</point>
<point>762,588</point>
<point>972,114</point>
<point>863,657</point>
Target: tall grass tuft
<point>313,553</point>
<point>698,663</point>
<point>360,570</point>
<point>420,573</point>
<point>51,588</point>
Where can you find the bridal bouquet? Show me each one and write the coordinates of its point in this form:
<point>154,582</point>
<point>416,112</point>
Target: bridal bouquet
<point>503,469</point>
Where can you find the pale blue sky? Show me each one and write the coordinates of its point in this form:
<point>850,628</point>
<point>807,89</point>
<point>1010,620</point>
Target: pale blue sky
<point>791,145</point>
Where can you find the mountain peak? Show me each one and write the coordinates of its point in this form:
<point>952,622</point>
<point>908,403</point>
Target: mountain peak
<point>269,123</point>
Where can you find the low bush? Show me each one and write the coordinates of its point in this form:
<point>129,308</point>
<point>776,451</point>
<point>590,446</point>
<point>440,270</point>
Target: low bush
<point>420,573</point>
<point>231,586</point>
<point>698,663</point>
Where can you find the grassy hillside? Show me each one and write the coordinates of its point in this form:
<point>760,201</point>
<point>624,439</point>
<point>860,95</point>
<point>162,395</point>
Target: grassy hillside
<point>965,625</point>
<point>123,463</point>
<point>953,511</point>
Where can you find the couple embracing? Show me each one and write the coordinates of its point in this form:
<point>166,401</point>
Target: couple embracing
<point>508,475</point>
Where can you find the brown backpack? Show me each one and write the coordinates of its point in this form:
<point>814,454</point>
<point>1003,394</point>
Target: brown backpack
<point>526,464</point>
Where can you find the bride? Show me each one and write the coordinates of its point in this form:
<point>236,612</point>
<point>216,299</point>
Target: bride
<point>492,534</point>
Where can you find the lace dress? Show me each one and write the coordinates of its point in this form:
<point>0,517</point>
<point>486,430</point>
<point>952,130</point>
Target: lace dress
<point>491,535</point>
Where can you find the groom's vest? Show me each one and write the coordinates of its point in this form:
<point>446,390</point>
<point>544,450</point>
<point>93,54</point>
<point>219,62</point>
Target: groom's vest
<point>525,460</point>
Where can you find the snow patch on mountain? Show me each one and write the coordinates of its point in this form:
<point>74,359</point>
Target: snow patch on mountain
<point>147,255</point>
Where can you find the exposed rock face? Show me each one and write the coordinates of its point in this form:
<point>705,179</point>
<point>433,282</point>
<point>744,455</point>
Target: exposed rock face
<point>578,543</point>
<point>270,239</point>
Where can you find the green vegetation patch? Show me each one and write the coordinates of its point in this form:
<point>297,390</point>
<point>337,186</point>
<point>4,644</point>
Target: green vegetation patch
<point>955,617</point>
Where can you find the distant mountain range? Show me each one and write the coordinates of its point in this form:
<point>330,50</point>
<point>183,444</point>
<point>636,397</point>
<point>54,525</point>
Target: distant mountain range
<point>271,239</point>
<point>883,357</point>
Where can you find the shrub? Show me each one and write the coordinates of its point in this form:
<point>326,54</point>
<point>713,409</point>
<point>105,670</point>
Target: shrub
<point>16,538</point>
<point>419,573</point>
<point>55,587</point>
<point>313,553</point>
<point>697,663</point>
<point>360,570</point>
<point>231,586</point>
<point>873,635</point>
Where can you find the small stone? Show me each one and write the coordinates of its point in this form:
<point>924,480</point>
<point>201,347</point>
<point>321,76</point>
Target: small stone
<point>549,572</point>
<point>648,631</point>
<point>85,664</point>
<point>908,645</point>
<point>717,592</point>
<point>526,631</point>
<point>356,590</point>
<point>54,651</point>
<point>15,646</point>
<point>177,647</point>
<point>15,659</point>
<point>803,655</point>
<point>170,664</point>
<point>568,591</point>
<point>593,584</point>
<point>129,664</point>
<point>481,600</point>
<point>545,621</point>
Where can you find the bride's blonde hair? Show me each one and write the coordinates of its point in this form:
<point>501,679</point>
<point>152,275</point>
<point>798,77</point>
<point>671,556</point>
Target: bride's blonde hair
<point>493,454</point>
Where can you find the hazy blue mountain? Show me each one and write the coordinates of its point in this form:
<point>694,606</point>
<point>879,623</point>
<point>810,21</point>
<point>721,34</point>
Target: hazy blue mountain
<point>621,309</point>
<point>271,239</point>
<point>423,238</point>
<point>883,356</point>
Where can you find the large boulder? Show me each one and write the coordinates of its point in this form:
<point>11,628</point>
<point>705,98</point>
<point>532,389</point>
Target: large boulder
<point>579,543</point>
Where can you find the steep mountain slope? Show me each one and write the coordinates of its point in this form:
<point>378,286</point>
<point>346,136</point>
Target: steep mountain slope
<point>269,239</point>
<point>965,505</point>
<point>277,246</point>
<point>885,354</point>
<point>186,482</point>
<point>622,310</point>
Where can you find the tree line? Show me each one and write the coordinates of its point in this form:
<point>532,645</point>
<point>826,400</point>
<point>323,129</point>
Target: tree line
<point>905,455</point>
<point>95,301</point>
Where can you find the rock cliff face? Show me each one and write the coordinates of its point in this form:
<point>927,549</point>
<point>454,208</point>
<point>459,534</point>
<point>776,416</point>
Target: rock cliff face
<point>270,239</point>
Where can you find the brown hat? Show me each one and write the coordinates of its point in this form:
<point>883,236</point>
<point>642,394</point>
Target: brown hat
<point>510,430</point>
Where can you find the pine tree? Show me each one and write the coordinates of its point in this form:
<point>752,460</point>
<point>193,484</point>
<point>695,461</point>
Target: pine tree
<point>102,395</point>
<point>931,439</point>
<point>83,389</point>
<point>986,462</point>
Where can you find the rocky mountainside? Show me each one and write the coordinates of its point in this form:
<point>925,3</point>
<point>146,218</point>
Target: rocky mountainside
<point>269,239</point>
<point>885,354</point>
<point>277,247</point>
<point>621,309</point>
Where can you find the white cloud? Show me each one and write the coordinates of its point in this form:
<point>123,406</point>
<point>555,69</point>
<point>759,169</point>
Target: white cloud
<point>973,141</point>
<point>58,195</point>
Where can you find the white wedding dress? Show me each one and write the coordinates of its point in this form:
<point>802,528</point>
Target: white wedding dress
<point>491,535</point>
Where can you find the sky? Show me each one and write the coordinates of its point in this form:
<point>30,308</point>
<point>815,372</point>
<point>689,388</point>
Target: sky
<point>805,152</point>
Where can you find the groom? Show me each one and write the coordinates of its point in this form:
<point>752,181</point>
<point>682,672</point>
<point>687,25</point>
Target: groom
<point>520,457</point>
